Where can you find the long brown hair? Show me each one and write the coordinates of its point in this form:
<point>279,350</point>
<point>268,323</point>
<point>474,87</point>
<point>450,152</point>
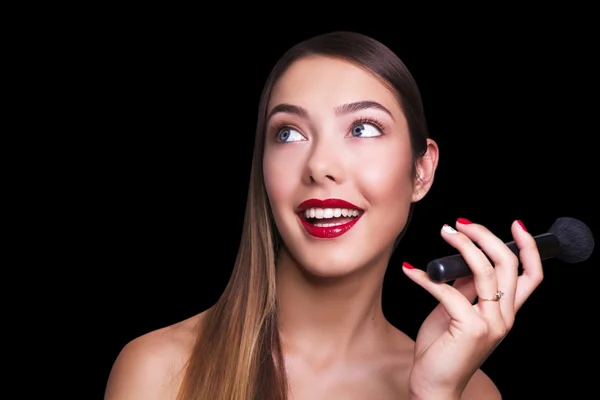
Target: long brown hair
<point>238,353</point>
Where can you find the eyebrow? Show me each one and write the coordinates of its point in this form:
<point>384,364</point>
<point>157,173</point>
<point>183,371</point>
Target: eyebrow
<point>339,110</point>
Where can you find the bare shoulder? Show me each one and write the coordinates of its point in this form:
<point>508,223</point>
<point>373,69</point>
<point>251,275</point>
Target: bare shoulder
<point>151,366</point>
<point>402,347</point>
<point>480,387</point>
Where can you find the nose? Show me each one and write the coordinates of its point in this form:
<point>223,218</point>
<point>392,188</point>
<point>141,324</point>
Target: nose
<point>324,164</point>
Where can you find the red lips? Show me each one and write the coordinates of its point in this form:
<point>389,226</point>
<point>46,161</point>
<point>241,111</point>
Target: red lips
<point>328,232</point>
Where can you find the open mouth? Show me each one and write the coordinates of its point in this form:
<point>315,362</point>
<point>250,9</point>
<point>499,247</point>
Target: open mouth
<point>330,217</point>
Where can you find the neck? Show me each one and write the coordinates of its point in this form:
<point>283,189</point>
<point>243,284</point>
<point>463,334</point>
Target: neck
<point>329,316</point>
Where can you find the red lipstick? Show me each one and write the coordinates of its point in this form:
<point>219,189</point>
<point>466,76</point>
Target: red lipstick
<point>329,232</point>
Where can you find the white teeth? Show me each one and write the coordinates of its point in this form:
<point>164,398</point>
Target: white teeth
<point>321,213</point>
<point>328,225</point>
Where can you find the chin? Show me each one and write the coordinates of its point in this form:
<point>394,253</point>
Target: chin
<point>329,271</point>
<point>335,258</point>
<point>330,264</point>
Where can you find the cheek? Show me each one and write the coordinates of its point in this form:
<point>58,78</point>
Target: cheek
<point>386,176</point>
<point>281,177</point>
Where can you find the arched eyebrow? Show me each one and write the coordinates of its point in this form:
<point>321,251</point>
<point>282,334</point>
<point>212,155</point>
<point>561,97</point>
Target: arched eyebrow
<point>339,110</point>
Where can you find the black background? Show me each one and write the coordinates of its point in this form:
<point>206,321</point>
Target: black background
<point>513,114</point>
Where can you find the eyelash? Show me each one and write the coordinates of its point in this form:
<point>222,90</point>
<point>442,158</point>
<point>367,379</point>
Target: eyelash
<point>371,121</point>
<point>363,120</point>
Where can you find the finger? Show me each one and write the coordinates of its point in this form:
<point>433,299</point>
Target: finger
<point>529,254</point>
<point>456,304</point>
<point>506,265</point>
<point>484,274</point>
<point>466,286</point>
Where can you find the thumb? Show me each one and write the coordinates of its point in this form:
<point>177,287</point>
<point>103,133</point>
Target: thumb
<point>466,286</point>
<point>456,304</point>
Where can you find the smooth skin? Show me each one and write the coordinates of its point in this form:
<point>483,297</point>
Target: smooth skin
<point>337,342</point>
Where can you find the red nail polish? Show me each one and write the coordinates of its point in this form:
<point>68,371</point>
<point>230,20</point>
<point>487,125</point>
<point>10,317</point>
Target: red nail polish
<point>464,221</point>
<point>521,225</point>
<point>407,265</point>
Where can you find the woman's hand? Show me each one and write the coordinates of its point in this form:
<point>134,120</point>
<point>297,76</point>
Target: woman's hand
<point>457,337</point>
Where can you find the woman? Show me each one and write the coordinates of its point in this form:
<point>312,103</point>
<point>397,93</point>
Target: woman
<point>341,156</point>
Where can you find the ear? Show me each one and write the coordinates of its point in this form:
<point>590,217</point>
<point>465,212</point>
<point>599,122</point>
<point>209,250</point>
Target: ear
<point>425,167</point>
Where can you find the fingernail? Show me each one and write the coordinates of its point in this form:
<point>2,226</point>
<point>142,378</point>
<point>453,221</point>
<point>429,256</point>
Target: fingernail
<point>407,265</point>
<point>464,221</point>
<point>448,229</point>
<point>521,225</point>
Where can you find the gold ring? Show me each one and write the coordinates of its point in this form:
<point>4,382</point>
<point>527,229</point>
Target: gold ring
<point>496,297</point>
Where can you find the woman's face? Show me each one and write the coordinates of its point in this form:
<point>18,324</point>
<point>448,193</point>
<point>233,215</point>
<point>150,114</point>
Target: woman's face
<point>337,165</point>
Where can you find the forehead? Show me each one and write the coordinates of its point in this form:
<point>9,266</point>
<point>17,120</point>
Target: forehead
<point>320,83</point>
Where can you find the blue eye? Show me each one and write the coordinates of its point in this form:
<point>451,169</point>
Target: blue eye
<point>289,135</point>
<point>365,130</point>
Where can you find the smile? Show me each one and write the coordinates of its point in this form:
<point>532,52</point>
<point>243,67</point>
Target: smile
<point>328,219</point>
